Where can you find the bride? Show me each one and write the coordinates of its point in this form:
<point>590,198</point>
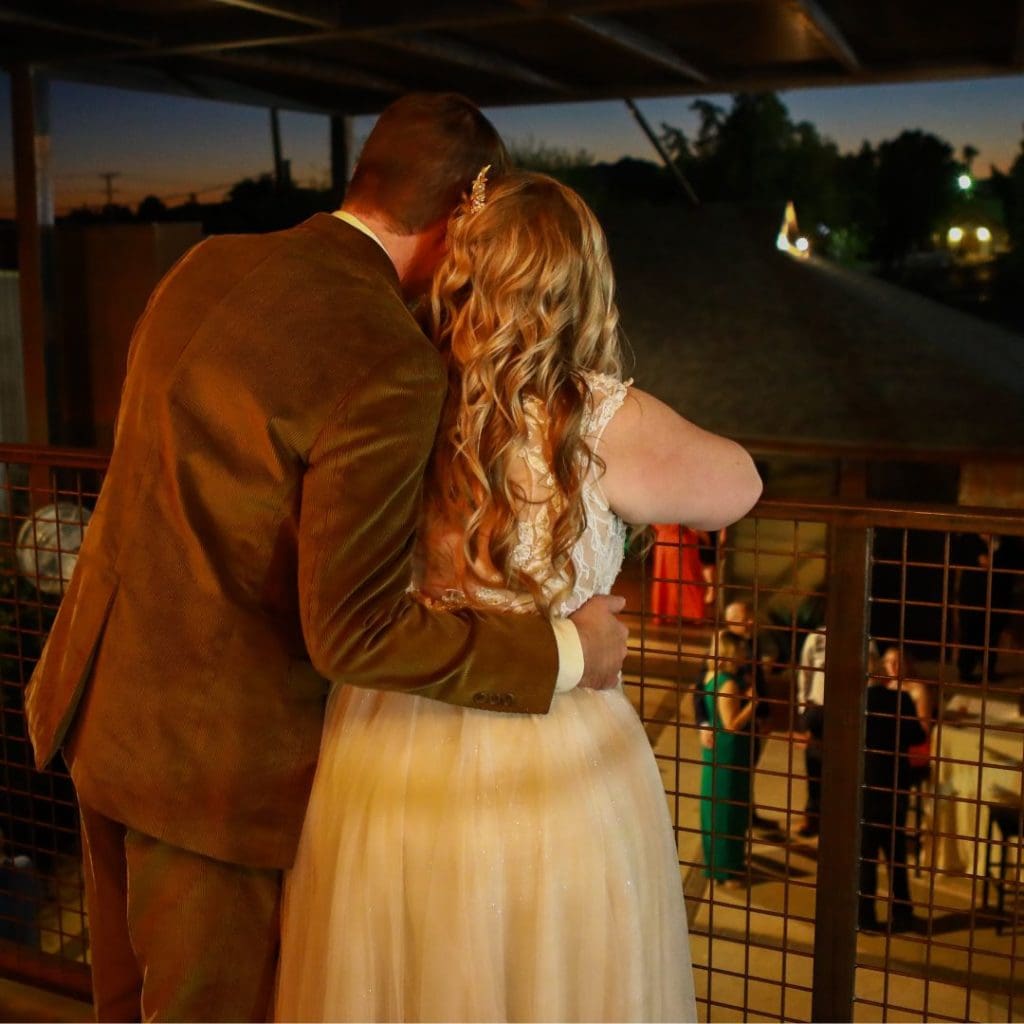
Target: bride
<point>462,865</point>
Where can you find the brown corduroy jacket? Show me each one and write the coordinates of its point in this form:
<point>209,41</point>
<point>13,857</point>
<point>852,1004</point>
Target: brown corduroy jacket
<point>252,538</point>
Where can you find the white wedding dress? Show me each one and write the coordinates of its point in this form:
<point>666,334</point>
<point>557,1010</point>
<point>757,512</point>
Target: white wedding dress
<point>465,865</point>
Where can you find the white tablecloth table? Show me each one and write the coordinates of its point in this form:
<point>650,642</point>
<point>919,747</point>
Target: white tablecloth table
<point>979,747</point>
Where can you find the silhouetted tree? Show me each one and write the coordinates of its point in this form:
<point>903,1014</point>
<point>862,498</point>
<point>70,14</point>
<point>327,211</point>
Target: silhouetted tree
<point>856,188</point>
<point>754,152</point>
<point>1013,201</point>
<point>1009,285</point>
<point>110,213</point>
<point>530,155</point>
<point>152,208</point>
<point>916,187</point>
<point>739,154</point>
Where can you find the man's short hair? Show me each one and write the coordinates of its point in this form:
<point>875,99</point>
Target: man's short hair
<point>421,158</point>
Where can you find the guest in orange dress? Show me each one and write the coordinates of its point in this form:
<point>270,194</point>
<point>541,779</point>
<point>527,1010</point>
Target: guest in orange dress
<point>679,586</point>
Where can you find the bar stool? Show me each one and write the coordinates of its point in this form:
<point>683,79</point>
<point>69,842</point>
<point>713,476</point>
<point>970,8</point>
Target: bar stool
<point>1004,818</point>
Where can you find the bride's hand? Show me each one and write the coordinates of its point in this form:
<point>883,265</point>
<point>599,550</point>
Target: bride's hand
<point>603,639</point>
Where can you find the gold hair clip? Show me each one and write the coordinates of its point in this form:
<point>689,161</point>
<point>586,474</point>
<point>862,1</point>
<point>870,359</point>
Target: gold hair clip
<point>478,193</point>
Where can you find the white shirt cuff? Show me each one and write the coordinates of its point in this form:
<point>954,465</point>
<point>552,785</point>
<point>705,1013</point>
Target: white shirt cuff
<point>570,655</point>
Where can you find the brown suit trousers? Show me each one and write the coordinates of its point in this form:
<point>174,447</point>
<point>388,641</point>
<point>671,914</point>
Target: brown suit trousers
<point>176,935</point>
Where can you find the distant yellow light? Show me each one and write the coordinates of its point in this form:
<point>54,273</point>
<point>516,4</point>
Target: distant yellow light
<point>983,235</point>
<point>955,235</point>
<point>803,245</point>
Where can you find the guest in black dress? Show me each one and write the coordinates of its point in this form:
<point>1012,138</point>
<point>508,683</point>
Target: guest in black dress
<point>892,727</point>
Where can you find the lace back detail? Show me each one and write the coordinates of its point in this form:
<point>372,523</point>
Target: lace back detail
<point>597,555</point>
<point>607,396</point>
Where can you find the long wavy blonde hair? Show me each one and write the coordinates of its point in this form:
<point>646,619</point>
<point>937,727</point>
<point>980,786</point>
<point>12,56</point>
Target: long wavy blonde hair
<point>522,307</point>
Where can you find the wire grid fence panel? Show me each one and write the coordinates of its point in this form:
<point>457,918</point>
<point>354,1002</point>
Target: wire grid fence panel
<point>44,510</point>
<point>740,604</point>
<point>948,625</point>
<point>950,600</point>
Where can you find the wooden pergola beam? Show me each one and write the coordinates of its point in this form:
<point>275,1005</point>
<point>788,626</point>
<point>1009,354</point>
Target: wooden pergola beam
<point>438,19</point>
<point>327,72</point>
<point>1017,58</point>
<point>474,58</point>
<point>107,52</point>
<point>13,16</point>
<point>828,32</point>
<point>638,44</point>
<point>300,13</point>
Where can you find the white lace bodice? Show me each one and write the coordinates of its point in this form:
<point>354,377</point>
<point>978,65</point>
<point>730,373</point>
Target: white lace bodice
<point>597,555</point>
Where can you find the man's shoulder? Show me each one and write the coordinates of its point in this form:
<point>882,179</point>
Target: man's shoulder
<point>315,243</point>
<point>317,279</point>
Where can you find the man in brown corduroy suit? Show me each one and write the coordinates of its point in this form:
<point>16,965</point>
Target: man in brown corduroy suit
<point>252,544</point>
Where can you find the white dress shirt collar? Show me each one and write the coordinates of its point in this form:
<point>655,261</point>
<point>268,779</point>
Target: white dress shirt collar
<point>351,218</point>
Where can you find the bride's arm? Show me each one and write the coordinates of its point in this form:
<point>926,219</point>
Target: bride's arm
<point>661,468</point>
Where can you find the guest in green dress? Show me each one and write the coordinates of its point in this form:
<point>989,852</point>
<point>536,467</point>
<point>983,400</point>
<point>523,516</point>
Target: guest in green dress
<point>725,777</point>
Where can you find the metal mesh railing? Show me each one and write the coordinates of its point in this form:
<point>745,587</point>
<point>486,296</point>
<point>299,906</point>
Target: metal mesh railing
<point>896,899</point>
<point>913,601</point>
<point>45,502</point>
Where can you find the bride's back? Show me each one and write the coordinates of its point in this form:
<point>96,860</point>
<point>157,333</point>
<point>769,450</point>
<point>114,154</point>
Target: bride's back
<point>596,555</point>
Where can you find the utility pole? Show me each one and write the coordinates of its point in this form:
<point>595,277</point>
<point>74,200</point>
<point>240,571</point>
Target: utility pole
<point>108,177</point>
<point>280,170</point>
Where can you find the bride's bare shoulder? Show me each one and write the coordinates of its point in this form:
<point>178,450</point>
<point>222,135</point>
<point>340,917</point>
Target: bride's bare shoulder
<point>661,467</point>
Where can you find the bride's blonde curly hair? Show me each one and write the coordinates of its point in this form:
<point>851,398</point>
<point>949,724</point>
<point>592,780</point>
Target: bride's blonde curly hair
<point>522,307</point>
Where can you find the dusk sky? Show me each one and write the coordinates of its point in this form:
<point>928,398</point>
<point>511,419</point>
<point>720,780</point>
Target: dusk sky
<point>171,146</point>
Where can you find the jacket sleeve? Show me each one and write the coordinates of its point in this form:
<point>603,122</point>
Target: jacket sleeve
<point>361,497</point>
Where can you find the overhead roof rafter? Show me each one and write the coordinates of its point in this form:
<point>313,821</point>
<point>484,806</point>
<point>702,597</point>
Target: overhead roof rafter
<point>283,63</point>
<point>447,18</point>
<point>1018,47</point>
<point>476,58</point>
<point>63,26</point>
<point>638,44</point>
<point>314,49</point>
<point>328,72</point>
<point>287,10</point>
<point>825,28</point>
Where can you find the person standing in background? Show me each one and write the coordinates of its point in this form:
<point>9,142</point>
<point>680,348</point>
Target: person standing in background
<point>726,774</point>
<point>811,695</point>
<point>738,621</point>
<point>891,729</point>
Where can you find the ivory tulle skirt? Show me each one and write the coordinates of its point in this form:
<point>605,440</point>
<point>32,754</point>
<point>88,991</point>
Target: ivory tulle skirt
<point>464,865</point>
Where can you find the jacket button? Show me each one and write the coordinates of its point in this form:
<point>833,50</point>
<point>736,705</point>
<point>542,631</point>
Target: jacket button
<point>480,698</point>
<point>508,699</point>
<point>493,699</point>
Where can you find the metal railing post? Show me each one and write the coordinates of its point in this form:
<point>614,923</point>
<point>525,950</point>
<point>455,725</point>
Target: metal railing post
<point>846,631</point>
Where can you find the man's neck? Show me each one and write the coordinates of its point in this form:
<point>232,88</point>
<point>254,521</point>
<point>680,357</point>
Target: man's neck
<point>397,247</point>
<point>415,256</point>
